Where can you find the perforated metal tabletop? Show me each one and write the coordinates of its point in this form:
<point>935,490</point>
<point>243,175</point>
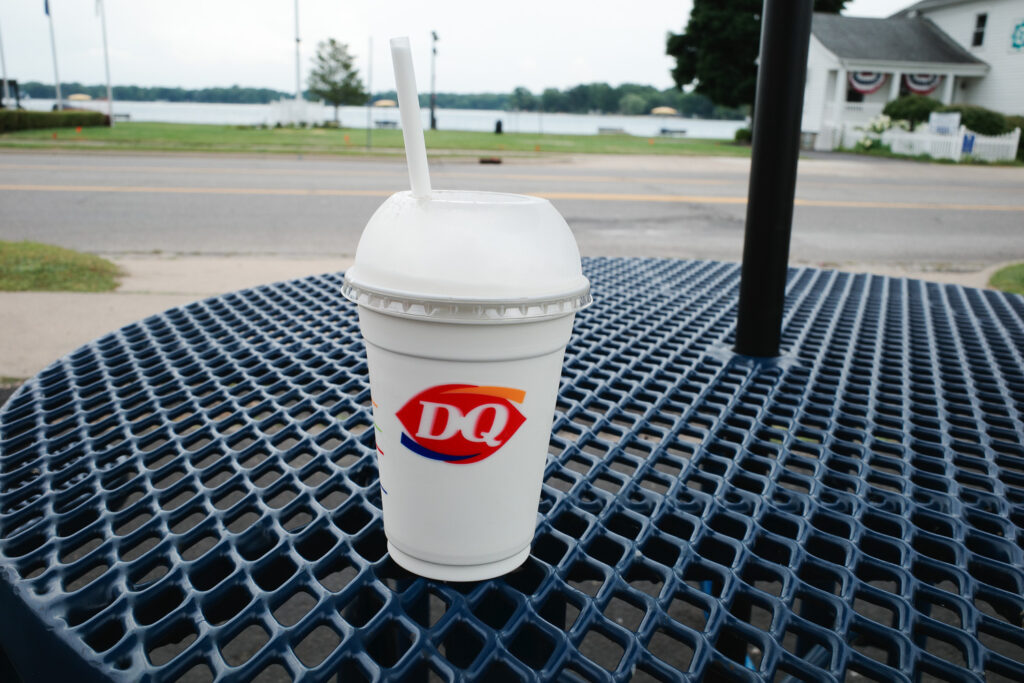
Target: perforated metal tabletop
<point>195,496</point>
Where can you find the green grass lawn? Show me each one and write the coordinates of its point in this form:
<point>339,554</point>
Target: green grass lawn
<point>31,266</point>
<point>1009,279</point>
<point>206,138</point>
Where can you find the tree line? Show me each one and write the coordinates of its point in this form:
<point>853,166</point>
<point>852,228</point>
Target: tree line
<point>592,98</point>
<point>629,98</point>
<point>135,93</point>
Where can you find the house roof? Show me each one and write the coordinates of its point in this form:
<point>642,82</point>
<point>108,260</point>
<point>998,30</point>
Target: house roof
<point>897,40</point>
<point>926,5</point>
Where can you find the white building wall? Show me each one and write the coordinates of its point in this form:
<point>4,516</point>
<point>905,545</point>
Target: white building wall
<point>820,67</point>
<point>880,96</point>
<point>1002,89</point>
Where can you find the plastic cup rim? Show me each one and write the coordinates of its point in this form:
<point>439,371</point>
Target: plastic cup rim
<point>453,197</point>
<point>464,301</point>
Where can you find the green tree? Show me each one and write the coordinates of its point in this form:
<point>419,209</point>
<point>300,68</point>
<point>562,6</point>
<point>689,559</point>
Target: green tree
<point>579,99</point>
<point>333,78</point>
<point>603,97</point>
<point>729,113</point>
<point>632,104</point>
<point>695,105</point>
<point>553,99</point>
<point>522,100</point>
<point>718,48</point>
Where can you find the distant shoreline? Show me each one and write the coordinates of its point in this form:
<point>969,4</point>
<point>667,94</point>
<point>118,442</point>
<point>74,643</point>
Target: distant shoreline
<point>468,120</point>
<point>103,100</point>
<point>601,98</point>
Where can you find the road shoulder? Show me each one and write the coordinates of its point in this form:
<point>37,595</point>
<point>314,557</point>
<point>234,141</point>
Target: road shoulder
<point>41,327</point>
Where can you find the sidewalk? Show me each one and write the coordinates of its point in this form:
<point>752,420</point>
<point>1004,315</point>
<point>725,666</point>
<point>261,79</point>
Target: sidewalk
<point>40,327</point>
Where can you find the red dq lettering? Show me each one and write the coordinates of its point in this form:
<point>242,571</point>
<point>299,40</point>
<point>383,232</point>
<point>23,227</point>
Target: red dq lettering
<point>460,423</point>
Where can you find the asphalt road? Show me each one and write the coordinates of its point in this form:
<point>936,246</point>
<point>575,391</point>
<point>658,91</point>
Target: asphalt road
<point>849,209</point>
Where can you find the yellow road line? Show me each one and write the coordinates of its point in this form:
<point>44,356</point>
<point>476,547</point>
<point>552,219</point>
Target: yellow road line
<point>596,178</point>
<point>687,199</point>
<point>586,196</point>
<point>198,169</point>
<point>837,203</point>
<point>399,172</point>
<point>626,197</point>
<point>199,190</point>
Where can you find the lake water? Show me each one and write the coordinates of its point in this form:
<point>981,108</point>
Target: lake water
<point>447,119</point>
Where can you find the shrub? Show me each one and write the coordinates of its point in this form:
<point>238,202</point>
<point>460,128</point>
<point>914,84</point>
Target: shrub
<point>743,136</point>
<point>869,146</point>
<point>913,108</point>
<point>1017,122</point>
<point>882,123</point>
<point>979,119</point>
<point>20,119</point>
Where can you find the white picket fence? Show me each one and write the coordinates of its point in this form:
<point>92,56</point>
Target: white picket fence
<point>960,145</point>
<point>998,147</point>
<point>923,141</point>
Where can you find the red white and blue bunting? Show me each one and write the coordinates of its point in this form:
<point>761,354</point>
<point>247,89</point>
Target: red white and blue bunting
<point>867,82</point>
<point>922,84</point>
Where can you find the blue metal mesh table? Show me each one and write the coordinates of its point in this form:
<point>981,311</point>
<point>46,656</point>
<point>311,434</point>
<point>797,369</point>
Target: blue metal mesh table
<point>195,496</point>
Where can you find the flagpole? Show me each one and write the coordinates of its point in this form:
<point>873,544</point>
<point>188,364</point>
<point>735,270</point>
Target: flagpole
<point>106,61</point>
<point>298,80</point>
<point>3,66</point>
<point>53,48</point>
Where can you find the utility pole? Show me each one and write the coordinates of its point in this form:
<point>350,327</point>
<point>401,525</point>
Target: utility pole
<point>3,67</point>
<point>53,48</point>
<point>433,82</point>
<point>102,10</point>
<point>369,95</point>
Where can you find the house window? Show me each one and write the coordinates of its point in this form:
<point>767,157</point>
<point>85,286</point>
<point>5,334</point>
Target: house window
<point>979,30</point>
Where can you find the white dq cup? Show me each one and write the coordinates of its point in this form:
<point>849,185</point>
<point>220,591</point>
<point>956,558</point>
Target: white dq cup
<point>466,303</point>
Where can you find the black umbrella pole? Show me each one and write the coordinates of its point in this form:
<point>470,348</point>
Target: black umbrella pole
<point>782,71</point>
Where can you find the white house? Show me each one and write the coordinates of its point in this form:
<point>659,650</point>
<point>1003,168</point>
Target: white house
<point>958,51</point>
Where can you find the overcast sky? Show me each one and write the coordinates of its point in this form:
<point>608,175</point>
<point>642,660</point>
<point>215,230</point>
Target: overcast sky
<point>484,45</point>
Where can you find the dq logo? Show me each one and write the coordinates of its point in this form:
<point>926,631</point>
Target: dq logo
<point>460,423</point>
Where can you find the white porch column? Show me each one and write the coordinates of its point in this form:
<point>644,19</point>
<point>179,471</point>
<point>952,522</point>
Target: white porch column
<point>894,86</point>
<point>947,88</point>
<point>839,103</point>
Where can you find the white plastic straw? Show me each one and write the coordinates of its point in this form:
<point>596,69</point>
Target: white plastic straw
<point>409,108</point>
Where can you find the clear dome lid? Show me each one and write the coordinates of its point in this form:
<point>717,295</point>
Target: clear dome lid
<point>468,256</point>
